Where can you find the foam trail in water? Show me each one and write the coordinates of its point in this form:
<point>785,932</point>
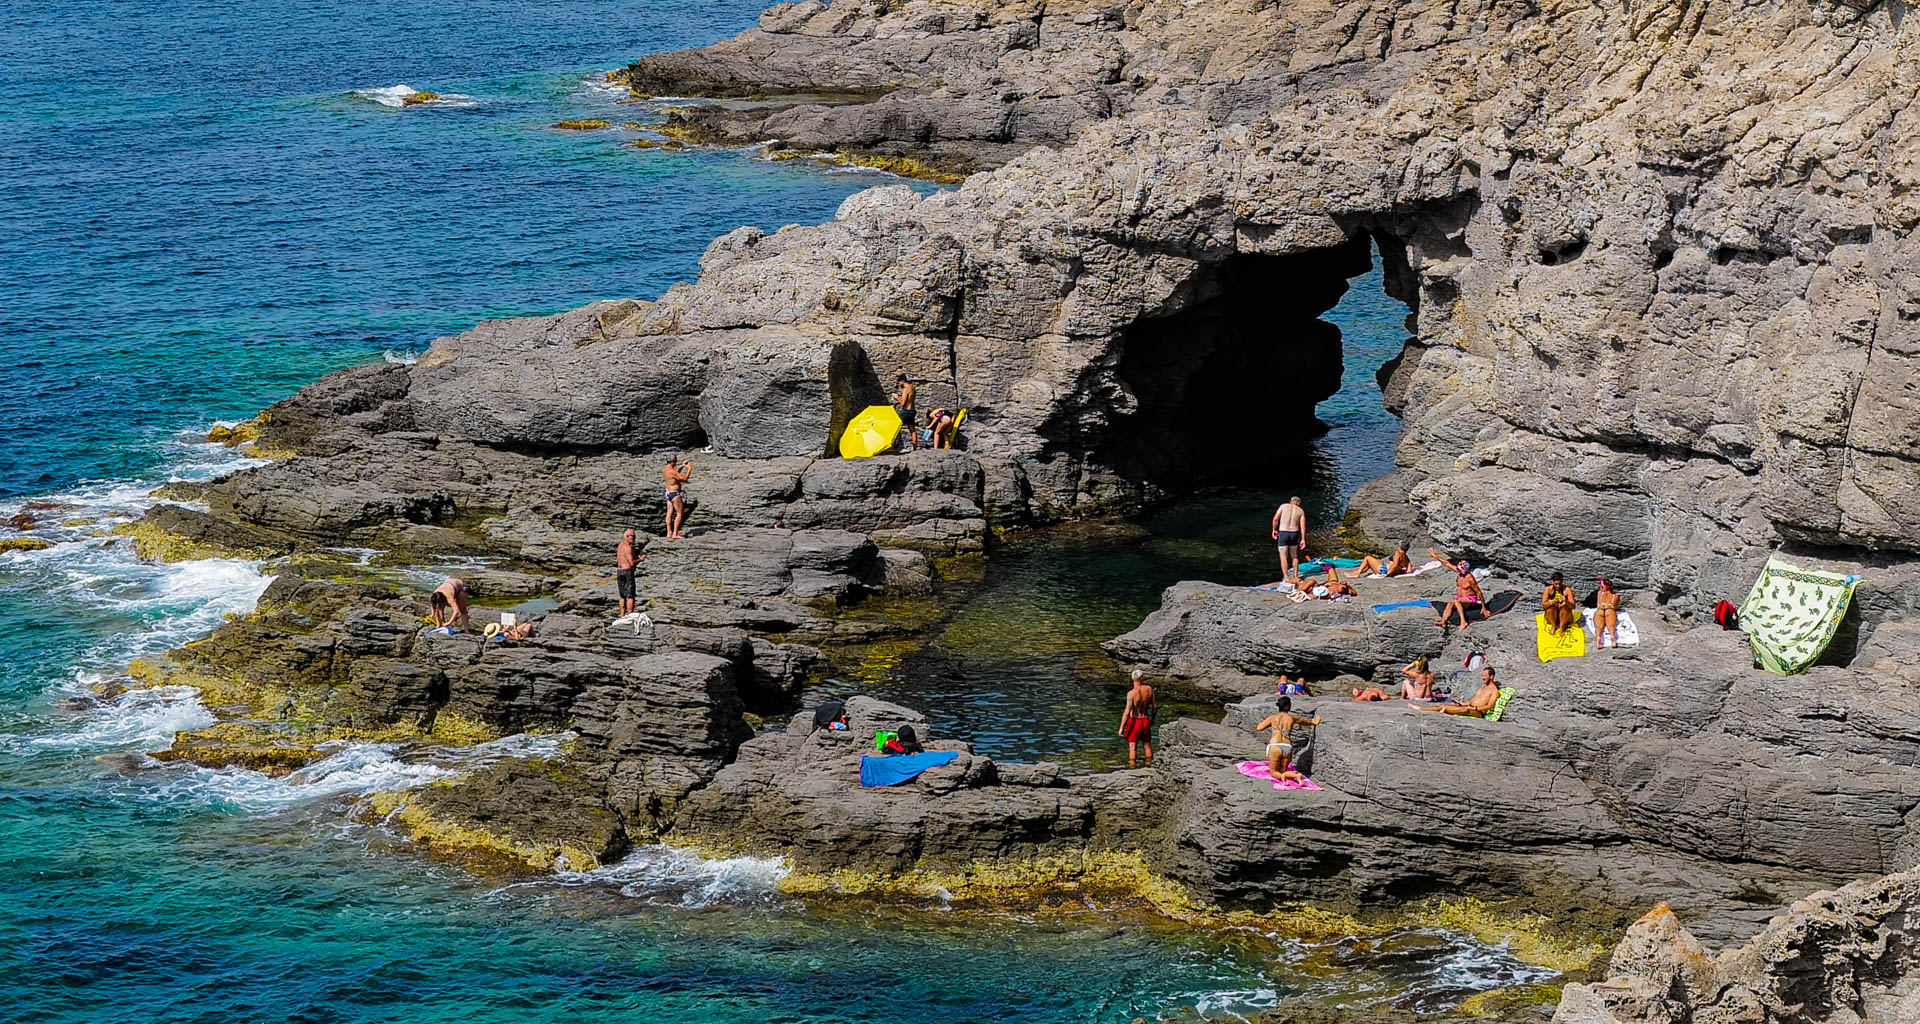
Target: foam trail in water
<point>356,769</point>
<point>666,874</point>
<point>396,96</point>
<point>400,358</point>
<point>135,720</point>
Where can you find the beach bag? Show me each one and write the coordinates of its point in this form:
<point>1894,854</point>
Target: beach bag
<point>1726,616</point>
<point>880,739</point>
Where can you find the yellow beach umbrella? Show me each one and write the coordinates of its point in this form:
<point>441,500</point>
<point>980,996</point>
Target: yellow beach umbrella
<point>870,433</point>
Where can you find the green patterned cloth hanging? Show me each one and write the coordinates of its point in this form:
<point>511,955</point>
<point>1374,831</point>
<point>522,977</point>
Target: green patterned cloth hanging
<point>1792,614</point>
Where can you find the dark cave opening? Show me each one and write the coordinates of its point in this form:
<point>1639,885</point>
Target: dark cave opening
<point>1226,391</point>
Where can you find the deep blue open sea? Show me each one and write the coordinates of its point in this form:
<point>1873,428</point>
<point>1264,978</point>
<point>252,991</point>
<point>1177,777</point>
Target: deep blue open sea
<point>209,204</point>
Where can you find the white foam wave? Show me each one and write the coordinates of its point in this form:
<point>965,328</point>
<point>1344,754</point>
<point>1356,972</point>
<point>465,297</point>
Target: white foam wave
<point>396,96</point>
<point>666,874</point>
<point>357,769</point>
<point>137,720</point>
<point>400,358</point>
<point>531,746</point>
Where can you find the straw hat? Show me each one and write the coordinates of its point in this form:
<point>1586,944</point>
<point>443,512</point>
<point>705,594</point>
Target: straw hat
<point>492,630</point>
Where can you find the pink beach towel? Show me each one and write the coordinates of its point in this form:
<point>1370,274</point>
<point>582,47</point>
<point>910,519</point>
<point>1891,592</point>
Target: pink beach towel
<point>1259,770</point>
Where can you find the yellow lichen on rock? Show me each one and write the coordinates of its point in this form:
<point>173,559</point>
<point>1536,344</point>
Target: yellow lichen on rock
<point>472,846</point>
<point>584,124</point>
<point>421,96</point>
<point>239,433</point>
<point>153,544</point>
<point>1531,937</point>
<point>23,544</point>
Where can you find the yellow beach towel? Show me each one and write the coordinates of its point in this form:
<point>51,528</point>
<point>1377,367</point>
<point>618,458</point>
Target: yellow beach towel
<point>1571,644</point>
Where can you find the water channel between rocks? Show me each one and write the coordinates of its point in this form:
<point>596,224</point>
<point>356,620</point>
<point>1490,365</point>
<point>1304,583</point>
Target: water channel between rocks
<point>1017,668</point>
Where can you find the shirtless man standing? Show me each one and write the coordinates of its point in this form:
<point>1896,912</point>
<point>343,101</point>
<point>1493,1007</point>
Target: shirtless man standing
<point>1482,701</point>
<point>675,474</point>
<point>1280,745</point>
<point>1136,721</point>
<point>1290,535</point>
<point>903,400</point>
<point>625,560</point>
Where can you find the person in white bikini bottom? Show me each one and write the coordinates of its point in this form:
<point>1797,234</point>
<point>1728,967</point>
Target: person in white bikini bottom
<point>1280,746</point>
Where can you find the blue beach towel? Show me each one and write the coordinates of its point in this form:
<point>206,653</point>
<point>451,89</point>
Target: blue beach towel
<point>891,771</point>
<point>1384,608</point>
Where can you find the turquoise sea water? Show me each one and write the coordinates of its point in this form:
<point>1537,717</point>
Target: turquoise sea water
<point>210,204</point>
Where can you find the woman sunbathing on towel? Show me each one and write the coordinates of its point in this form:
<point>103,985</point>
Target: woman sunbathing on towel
<point>1371,693</point>
<point>1396,563</point>
<point>1466,591</point>
<point>1335,588</point>
<point>1606,613</point>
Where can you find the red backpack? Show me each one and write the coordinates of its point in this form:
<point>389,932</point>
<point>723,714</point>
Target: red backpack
<point>1726,616</point>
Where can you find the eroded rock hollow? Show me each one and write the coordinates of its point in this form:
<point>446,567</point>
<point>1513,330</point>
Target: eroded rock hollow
<point>1666,323</point>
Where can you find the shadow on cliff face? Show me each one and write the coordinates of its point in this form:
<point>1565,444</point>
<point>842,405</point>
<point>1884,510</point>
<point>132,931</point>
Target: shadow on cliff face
<point>1227,387</point>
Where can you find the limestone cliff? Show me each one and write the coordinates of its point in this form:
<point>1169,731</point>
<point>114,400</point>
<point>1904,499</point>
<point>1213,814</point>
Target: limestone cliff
<point>1664,323</point>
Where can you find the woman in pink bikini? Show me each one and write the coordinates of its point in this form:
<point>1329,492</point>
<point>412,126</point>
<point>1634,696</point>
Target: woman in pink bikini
<point>1466,590</point>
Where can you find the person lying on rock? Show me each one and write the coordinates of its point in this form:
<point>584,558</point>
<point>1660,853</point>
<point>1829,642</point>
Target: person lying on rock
<point>1371,693</point>
<point>1559,604</point>
<point>1606,614</point>
<point>1466,591</point>
<point>1478,705</point>
<point>1280,744</point>
<point>1395,565</point>
<point>449,603</point>
<point>1292,687</point>
<point>1136,719</point>
<point>1419,682</point>
<point>1335,586</point>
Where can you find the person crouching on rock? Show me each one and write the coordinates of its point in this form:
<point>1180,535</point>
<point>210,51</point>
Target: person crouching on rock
<point>1482,701</point>
<point>1559,605</point>
<point>1136,719</point>
<point>1280,744</point>
<point>940,424</point>
<point>624,562</point>
<point>449,603</point>
<point>675,475</point>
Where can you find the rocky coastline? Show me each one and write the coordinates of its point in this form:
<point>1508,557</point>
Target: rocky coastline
<point>1662,327</point>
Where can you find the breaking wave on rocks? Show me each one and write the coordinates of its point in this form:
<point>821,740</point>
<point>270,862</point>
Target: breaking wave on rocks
<point>400,358</point>
<point>403,95</point>
<point>666,874</point>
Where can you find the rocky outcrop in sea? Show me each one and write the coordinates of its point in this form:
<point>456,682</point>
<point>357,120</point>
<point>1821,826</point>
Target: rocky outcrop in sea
<point>1663,325</point>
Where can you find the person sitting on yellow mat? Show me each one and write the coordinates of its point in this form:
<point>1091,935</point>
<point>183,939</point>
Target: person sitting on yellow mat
<point>1560,605</point>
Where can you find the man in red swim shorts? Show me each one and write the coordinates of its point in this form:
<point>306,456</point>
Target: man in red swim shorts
<point>1136,722</point>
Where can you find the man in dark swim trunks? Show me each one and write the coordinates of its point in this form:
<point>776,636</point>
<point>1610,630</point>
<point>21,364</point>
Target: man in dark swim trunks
<point>675,475</point>
<point>624,561</point>
<point>1290,536</point>
<point>903,400</point>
